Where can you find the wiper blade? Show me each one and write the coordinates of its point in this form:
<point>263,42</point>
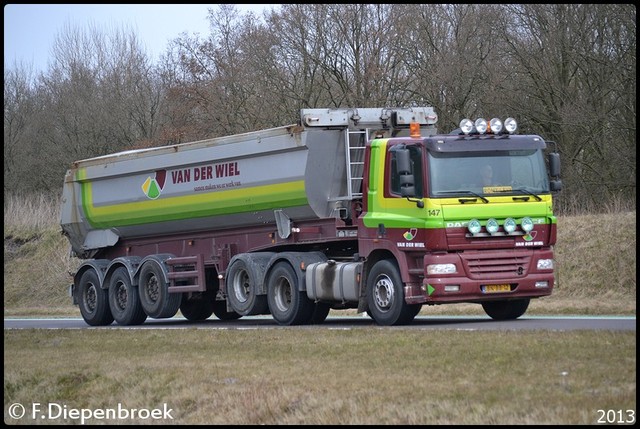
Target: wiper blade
<point>462,200</point>
<point>524,191</point>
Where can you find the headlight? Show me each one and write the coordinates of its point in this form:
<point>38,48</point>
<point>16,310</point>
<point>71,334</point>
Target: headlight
<point>527,224</point>
<point>509,225</point>
<point>492,226</point>
<point>466,126</point>
<point>481,125</point>
<point>510,125</point>
<point>545,264</point>
<point>496,125</point>
<point>439,269</point>
<point>474,226</point>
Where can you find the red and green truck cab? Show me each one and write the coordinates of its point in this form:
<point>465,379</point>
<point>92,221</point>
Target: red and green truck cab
<point>454,237</point>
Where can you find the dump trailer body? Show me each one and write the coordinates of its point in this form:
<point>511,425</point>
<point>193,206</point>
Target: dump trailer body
<point>228,182</point>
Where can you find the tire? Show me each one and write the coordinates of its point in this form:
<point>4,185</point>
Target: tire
<point>220,310</point>
<point>199,307</point>
<point>385,295</point>
<point>124,301</point>
<point>320,313</point>
<point>288,305</point>
<point>93,301</point>
<point>506,310</point>
<point>154,294</point>
<point>414,309</point>
<point>242,290</point>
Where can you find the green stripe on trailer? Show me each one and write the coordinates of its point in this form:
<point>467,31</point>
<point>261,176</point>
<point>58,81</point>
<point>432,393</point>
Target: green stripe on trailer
<point>268,197</point>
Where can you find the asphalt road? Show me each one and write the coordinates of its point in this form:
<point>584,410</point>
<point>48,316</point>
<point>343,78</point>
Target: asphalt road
<point>470,323</point>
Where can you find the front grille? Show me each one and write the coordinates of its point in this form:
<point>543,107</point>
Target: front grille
<point>491,266</point>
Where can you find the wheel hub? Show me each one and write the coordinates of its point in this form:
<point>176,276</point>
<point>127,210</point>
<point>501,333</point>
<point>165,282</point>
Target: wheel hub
<point>383,292</point>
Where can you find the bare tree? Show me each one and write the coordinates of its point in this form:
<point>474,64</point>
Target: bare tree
<point>99,96</point>
<point>451,55</point>
<point>574,65</point>
<point>565,71</point>
<point>20,105</point>
<point>342,55</point>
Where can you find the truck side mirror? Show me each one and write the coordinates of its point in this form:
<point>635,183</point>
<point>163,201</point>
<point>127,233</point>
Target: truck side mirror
<point>554,164</point>
<point>554,171</point>
<point>407,179</point>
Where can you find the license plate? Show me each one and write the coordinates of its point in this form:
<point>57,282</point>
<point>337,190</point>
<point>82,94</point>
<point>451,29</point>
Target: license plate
<point>496,288</point>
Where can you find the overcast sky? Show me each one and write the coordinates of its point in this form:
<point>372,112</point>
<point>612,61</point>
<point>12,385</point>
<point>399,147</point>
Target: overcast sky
<point>30,29</point>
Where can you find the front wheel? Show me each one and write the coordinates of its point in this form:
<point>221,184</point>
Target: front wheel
<point>506,310</point>
<point>288,305</point>
<point>385,295</point>
<point>414,309</point>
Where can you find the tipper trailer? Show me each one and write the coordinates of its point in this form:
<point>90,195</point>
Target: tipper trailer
<point>360,208</point>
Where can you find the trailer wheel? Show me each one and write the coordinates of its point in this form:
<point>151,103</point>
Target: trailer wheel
<point>242,290</point>
<point>220,310</point>
<point>506,310</point>
<point>155,298</point>
<point>198,307</point>
<point>93,300</point>
<point>288,305</point>
<point>385,295</point>
<point>124,301</point>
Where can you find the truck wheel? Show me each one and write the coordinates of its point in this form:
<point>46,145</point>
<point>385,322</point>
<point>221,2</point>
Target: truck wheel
<point>124,301</point>
<point>414,310</point>
<point>93,300</point>
<point>506,310</point>
<point>288,305</point>
<point>220,310</point>
<point>320,313</point>
<point>199,307</point>
<point>155,298</point>
<point>385,295</point>
<point>242,290</point>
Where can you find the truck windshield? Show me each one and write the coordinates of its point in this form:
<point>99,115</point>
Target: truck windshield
<point>513,172</point>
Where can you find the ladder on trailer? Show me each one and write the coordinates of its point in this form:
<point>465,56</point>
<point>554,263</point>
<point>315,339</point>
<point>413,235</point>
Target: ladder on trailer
<point>354,153</point>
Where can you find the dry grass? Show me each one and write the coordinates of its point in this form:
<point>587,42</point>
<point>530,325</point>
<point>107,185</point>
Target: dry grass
<point>314,376</point>
<point>31,214</point>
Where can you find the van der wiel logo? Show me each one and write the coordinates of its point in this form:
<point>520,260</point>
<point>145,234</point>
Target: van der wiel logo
<point>411,234</point>
<point>152,187</point>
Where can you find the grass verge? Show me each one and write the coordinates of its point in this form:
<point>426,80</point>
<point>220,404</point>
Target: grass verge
<point>315,376</point>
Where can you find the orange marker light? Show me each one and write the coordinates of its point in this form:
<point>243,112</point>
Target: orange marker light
<point>414,129</point>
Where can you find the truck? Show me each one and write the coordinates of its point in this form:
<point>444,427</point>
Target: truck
<point>368,209</point>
